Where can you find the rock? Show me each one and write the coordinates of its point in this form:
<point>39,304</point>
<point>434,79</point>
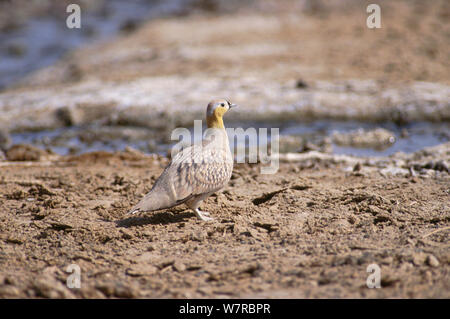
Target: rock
<point>357,167</point>
<point>378,139</point>
<point>24,152</point>
<point>432,261</point>
<point>179,266</point>
<point>141,270</point>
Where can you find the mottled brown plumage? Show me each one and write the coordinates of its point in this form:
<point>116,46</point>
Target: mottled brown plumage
<point>195,172</point>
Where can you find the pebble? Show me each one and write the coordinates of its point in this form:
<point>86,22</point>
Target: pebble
<point>432,261</point>
<point>179,266</point>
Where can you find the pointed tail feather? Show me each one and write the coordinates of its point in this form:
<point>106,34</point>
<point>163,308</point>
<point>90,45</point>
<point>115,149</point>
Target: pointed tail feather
<point>151,202</point>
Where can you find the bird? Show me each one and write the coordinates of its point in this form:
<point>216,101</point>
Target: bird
<point>195,172</point>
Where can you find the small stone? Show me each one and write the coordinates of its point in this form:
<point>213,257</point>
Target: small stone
<point>432,261</point>
<point>179,266</point>
<point>141,270</point>
<point>357,167</point>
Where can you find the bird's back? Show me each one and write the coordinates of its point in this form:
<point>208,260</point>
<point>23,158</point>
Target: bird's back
<point>199,169</point>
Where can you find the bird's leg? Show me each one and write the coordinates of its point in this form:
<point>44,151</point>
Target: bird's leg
<point>202,215</point>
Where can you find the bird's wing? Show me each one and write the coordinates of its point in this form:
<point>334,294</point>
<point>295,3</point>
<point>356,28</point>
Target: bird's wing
<point>196,171</point>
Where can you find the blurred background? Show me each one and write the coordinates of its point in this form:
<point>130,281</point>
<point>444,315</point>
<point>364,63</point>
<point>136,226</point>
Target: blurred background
<point>137,69</point>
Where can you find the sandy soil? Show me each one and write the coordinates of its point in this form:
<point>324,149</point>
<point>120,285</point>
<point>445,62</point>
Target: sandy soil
<point>281,40</point>
<point>310,230</point>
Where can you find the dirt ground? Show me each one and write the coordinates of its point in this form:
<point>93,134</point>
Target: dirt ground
<point>274,40</point>
<point>311,230</point>
<point>308,231</point>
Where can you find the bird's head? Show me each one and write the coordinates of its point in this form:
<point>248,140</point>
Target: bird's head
<point>215,111</point>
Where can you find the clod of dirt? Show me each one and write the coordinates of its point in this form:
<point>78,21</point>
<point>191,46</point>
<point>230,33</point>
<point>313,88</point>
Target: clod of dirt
<point>141,270</point>
<point>269,227</point>
<point>252,269</point>
<point>24,152</point>
<point>39,189</point>
<point>432,261</point>
<point>300,187</point>
<point>17,195</point>
<point>199,236</point>
<point>179,266</point>
<point>60,226</point>
<point>266,197</point>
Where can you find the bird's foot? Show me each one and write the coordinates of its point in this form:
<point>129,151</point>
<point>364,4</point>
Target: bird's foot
<point>202,215</point>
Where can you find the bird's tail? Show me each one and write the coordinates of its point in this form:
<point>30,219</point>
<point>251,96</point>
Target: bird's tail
<point>151,202</point>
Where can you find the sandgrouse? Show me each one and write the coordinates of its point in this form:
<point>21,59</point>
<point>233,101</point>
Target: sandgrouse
<point>195,172</point>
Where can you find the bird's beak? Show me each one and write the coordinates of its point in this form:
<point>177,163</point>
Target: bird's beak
<point>233,105</point>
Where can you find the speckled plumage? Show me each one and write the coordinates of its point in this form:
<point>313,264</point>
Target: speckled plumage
<point>195,172</point>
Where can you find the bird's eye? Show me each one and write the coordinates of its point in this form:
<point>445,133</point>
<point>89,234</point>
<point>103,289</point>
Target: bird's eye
<point>222,104</point>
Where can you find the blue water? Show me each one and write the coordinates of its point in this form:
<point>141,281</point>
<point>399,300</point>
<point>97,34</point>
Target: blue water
<point>46,39</point>
<point>70,140</point>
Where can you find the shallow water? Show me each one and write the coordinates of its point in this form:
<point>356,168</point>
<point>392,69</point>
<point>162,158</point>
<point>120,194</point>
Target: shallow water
<point>76,140</point>
<point>420,135</point>
<point>44,40</point>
